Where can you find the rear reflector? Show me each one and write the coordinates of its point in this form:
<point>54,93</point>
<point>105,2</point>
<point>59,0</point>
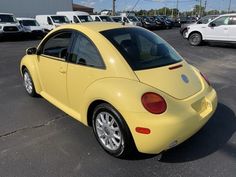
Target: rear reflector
<point>143,130</point>
<point>175,67</point>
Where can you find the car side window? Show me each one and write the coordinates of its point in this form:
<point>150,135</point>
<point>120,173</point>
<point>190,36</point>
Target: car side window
<point>49,21</point>
<point>97,19</point>
<point>57,46</point>
<point>84,52</point>
<point>232,20</point>
<point>75,19</point>
<point>125,20</point>
<point>221,21</point>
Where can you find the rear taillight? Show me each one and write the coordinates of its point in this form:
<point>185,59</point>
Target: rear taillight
<point>154,103</point>
<point>205,78</point>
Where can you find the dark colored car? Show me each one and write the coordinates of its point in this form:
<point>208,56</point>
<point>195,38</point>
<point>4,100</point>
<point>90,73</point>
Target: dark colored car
<point>167,21</point>
<point>160,23</point>
<point>203,20</point>
<point>182,20</point>
<point>148,22</point>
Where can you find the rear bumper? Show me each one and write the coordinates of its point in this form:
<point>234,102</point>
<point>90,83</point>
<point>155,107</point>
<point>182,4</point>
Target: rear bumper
<point>174,126</point>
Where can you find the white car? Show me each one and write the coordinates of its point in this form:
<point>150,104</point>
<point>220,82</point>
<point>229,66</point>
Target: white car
<point>9,25</point>
<point>102,18</point>
<point>76,16</point>
<point>31,26</point>
<point>131,20</point>
<point>222,28</point>
<point>50,22</point>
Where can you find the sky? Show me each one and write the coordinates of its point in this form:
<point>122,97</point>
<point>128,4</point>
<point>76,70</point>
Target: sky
<point>184,5</point>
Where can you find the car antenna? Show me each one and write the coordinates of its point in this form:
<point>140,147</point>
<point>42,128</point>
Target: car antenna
<point>123,23</point>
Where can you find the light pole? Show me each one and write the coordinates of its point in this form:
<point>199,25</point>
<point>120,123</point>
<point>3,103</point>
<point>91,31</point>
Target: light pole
<point>200,9</point>
<point>229,6</point>
<point>205,7</point>
<point>113,7</point>
<point>177,6</point>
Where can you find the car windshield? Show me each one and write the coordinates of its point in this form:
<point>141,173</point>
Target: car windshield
<point>206,19</point>
<point>117,19</point>
<point>60,19</point>
<point>85,18</point>
<point>132,18</point>
<point>29,23</point>
<point>146,19</point>
<point>142,49</point>
<point>106,19</point>
<point>7,19</point>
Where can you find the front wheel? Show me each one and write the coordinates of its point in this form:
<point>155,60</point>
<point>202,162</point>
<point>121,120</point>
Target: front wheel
<point>28,83</point>
<point>111,131</point>
<point>195,39</point>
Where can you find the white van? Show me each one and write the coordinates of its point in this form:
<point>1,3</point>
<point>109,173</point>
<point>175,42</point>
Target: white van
<point>76,16</point>
<point>31,26</point>
<point>102,18</point>
<point>50,22</point>
<point>9,25</point>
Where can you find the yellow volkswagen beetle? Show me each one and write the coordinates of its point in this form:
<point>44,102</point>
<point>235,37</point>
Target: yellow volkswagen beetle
<point>126,82</point>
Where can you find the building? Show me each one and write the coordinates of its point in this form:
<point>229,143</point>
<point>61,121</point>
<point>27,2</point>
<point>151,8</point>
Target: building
<point>30,8</point>
<point>77,7</point>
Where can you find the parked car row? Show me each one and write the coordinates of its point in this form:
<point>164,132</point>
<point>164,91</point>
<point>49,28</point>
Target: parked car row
<point>42,24</point>
<point>156,22</point>
<point>211,28</point>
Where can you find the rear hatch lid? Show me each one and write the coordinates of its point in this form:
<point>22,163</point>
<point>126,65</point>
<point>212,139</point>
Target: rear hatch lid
<point>178,80</point>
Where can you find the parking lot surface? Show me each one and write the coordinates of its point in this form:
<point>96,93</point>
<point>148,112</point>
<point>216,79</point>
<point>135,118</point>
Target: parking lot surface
<point>37,139</point>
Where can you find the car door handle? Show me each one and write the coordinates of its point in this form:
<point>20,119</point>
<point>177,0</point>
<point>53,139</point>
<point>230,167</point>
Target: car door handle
<point>62,70</point>
<point>225,28</point>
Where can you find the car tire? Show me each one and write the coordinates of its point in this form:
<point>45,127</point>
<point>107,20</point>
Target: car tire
<point>195,39</point>
<point>28,83</point>
<point>112,132</point>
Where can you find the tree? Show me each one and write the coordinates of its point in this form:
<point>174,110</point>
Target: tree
<point>197,9</point>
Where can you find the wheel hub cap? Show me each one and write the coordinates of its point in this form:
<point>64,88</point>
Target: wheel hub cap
<point>108,131</point>
<point>28,83</point>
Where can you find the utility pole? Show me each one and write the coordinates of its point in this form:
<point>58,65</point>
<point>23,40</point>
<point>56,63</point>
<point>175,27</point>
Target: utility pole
<point>205,5</point>
<point>114,7</point>
<point>229,6</point>
<point>200,9</point>
<point>177,7</point>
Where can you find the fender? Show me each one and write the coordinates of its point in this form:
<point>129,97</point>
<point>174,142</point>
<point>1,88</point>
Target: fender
<point>195,32</point>
<point>29,61</point>
<point>124,94</point>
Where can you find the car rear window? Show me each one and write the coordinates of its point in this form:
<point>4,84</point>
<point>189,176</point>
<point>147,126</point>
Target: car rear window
<point>142,49</point>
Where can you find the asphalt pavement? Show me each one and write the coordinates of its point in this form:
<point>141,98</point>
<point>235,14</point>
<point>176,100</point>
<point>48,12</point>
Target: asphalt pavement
<point>39,140</point>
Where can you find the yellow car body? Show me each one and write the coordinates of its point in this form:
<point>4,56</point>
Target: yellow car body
<point>76,89</point>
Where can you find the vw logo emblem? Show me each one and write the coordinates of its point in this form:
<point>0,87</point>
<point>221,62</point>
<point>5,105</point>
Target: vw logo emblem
<point>185,78</point>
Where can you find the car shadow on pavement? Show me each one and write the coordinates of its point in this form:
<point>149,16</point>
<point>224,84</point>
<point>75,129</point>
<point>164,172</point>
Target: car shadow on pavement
<point>222,45</point>
<point>19,38</point>
<point>214,136</point>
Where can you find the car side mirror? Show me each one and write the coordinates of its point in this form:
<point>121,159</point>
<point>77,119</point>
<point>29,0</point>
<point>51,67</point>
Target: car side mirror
<point>31,51</point>
<point>212,25</point>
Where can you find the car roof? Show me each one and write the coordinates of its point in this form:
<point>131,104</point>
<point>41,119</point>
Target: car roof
<point>54,15</point>
<point>234,14</point>
<point>24,18</point>
<point>6,14</point>
<point>96,26</point>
